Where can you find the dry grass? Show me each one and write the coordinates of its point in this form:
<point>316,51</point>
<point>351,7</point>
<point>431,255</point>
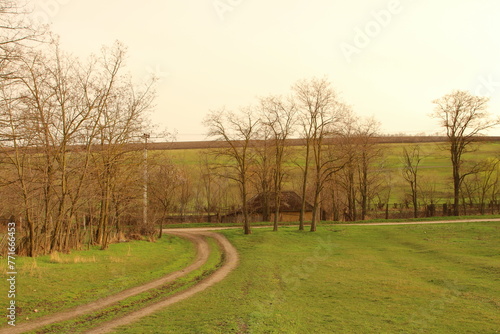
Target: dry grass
<point>56,257</point>
<point>114,259</point>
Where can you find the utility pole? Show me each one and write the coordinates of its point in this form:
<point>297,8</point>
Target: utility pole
<point>146,136</point>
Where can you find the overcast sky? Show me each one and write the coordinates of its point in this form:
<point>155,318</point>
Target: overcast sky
<point>388,59</point>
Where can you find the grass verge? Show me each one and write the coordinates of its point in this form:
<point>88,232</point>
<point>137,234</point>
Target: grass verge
<point>423,219</point>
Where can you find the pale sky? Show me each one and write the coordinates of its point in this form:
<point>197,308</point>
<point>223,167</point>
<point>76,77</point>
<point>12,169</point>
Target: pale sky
<point>387,58</point>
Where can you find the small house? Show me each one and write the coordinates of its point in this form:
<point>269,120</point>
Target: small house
<point>261,208</point>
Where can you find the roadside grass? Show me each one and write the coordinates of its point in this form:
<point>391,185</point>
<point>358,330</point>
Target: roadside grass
<point>53,283</point>
<point>368,221</point>
<point>416,220</point>
<point>350,279</point>
<point>124,307</point>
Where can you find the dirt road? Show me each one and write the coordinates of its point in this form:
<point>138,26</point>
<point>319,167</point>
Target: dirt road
<point>202,253</point>
<point>231,261</point>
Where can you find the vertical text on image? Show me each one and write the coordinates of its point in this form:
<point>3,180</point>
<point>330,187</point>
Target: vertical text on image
<point>11,272</point>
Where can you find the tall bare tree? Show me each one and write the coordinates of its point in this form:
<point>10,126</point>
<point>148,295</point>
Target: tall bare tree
<point>278,115</point>
<point>411,160</point>
<point>464,117</point>
<point>237,131</point>
<point>347,144</point>
<point>368,153</point>
<point>320,111</point>
<point>121,121</point>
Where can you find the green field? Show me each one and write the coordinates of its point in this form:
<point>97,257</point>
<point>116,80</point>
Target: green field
<point>435,168</point>
<point>350,279</point>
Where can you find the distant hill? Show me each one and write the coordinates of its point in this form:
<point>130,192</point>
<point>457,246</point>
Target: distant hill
<point>193,145</point>
<point>299,142</point>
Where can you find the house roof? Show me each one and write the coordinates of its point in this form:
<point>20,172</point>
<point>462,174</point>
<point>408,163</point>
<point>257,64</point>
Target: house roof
<point>290,201</point>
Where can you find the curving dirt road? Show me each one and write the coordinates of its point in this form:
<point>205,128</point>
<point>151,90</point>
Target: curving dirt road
<point>202,253</point>
<point>231,261</point>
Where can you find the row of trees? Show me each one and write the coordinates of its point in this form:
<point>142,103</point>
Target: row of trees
<point>70,175</point>
<point>341,165</point>
<point>64,130</point>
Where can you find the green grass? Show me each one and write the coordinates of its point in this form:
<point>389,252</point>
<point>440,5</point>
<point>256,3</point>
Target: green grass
<point>49,284</point>
<point>350,279</point>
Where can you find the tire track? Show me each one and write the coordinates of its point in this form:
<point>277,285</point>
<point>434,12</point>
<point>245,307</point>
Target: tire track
<point>230,263</point>
<point>202,253</point>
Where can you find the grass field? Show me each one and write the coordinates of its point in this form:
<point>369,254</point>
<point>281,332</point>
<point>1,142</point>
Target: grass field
<point>350,279</point>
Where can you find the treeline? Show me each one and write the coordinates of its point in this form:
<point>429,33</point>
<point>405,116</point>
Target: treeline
<point>338,165</point>
<point>72,171</point>
<point>50,103</point>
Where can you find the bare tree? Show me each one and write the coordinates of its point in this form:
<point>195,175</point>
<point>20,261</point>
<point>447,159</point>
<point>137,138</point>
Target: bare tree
<point>464,118</point>
<point>55,110</point>
<point>237,131</point>
<point>263,168</point>
<point>480,186</point>
<point>278,116</point>
<point>347,144</point>
<point>14,26</point>
<point>411,160</point>
<point>17,35</point>
<point>163,187</point>
<point>320,111</point>
<point>361,176</point>
<point>49,112</point>
<point>121,121</point>
<point>368,153</point>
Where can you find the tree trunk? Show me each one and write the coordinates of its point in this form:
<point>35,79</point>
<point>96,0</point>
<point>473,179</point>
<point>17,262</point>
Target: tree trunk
<point>456,190</point>
<point>277,204</point>
<point>246,221</point>
<point>304,188</point>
